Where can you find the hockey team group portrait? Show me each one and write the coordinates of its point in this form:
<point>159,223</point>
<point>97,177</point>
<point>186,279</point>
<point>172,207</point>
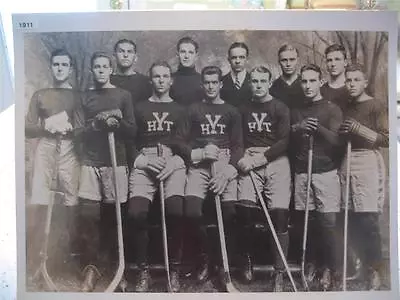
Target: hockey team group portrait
<point>207,161</point>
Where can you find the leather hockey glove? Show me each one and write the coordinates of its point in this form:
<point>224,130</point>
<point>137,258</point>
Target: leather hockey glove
<point>248,163</point>
<point>108,119</point>
<point>225,173</point>
<point>352,127</point>
<point>209,152</point>
<point>308,125</point>
<point>173,163</point>
<point>154,164</point>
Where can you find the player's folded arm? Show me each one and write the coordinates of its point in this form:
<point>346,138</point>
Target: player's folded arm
<point>277,150</point>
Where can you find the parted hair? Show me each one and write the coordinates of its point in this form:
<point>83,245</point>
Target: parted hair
<point>187,40</point>
<point>311,67</point>
<point>239,45</point>
<point>98,54</point>
<point>262,69</point>
<point>334,48</point>
<point>159,63</point>
<point>125,41</point>
<point>61,52</point>
<point>211,70</point>
<point>356,67</point>
<point>287,47</point>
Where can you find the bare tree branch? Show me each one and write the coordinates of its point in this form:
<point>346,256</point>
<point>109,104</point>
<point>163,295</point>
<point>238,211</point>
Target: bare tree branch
<point>325,41</point>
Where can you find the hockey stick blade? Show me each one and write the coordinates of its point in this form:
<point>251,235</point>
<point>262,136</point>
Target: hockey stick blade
<point>230,288</point>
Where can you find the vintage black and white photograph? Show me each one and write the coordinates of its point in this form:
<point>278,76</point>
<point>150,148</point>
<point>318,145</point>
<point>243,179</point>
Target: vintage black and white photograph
<point>194,161</point>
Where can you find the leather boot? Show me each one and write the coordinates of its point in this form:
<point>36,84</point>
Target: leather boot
<point>326,280</point>
<point>143,280</point>
<point>91,276</point>
<point>203,271</point>
<point>278,282</point>
<point>247,268</point>
<point>175,279</point>
<point>374,280</point>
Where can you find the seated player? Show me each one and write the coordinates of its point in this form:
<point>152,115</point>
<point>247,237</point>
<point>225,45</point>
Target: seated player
<point>104,108</point>
<point>215,138</point>
<point>366,127</point>
<point>266,129</point>
<point>160,120</point>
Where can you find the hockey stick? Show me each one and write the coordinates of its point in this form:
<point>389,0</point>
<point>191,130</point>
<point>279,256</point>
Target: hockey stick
<point>273,231</point>
<point>42,270</point>
<point>346,214</point>
<point>227,276</point>
<point>164,225</point>
<point>306,212</point>
<point>121,259</point>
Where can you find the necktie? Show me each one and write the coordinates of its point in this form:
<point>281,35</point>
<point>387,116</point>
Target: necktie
<point>237,83</point>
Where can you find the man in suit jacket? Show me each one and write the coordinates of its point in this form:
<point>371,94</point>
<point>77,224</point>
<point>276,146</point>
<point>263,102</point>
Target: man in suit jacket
<point>236,88</point>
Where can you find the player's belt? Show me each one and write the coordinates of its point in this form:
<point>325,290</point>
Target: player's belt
<point>152,151</point>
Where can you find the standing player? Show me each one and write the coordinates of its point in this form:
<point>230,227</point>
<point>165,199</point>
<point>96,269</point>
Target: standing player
<point>366,127</point>
<point>266,129</point>
<point>320,119</point>
<point>186,88</point>
<point>215,138</point>
<point>160,120</point>
<point>50,119</point>
<point>236,88</point>
<point>287,87</point>
<point>126,77</point>
<point>335,90</point>
<point>104,108</point>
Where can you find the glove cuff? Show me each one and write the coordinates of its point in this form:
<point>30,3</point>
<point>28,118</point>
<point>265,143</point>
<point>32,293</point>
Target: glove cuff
<point>141,161</point>
<point>369,135</point>
<point>197,155</point>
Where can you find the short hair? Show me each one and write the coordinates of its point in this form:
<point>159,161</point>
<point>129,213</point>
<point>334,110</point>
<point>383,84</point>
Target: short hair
<point>311,67</point>
<point>125,41</point>
<point>99,54</point>
<point>334,48</point>
<point>211,70</point>
<point>262,69</point>
<point>356,67</point>
<point>61,52</point>
<point>287,47</point>
<point>160,63</point>
<point>239,45</point>
<point>187,40</point>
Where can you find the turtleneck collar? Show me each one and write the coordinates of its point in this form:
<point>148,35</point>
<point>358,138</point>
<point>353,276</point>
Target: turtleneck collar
<point>186,70</point>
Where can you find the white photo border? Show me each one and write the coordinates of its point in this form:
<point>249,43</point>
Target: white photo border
<point>204,20</point>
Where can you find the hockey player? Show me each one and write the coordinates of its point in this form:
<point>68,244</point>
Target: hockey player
<point>236,88</point>
<point>50,119</point>
<point>287,87</point>
<point>366,127</point>
<point>160,120</point>
<point>125,76</point>
<point>215,134</point>
<point>266,129</point>
<point>335,90</point>
<point>186,88</point>
<point>320,119</point>
<point>104,108</point>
